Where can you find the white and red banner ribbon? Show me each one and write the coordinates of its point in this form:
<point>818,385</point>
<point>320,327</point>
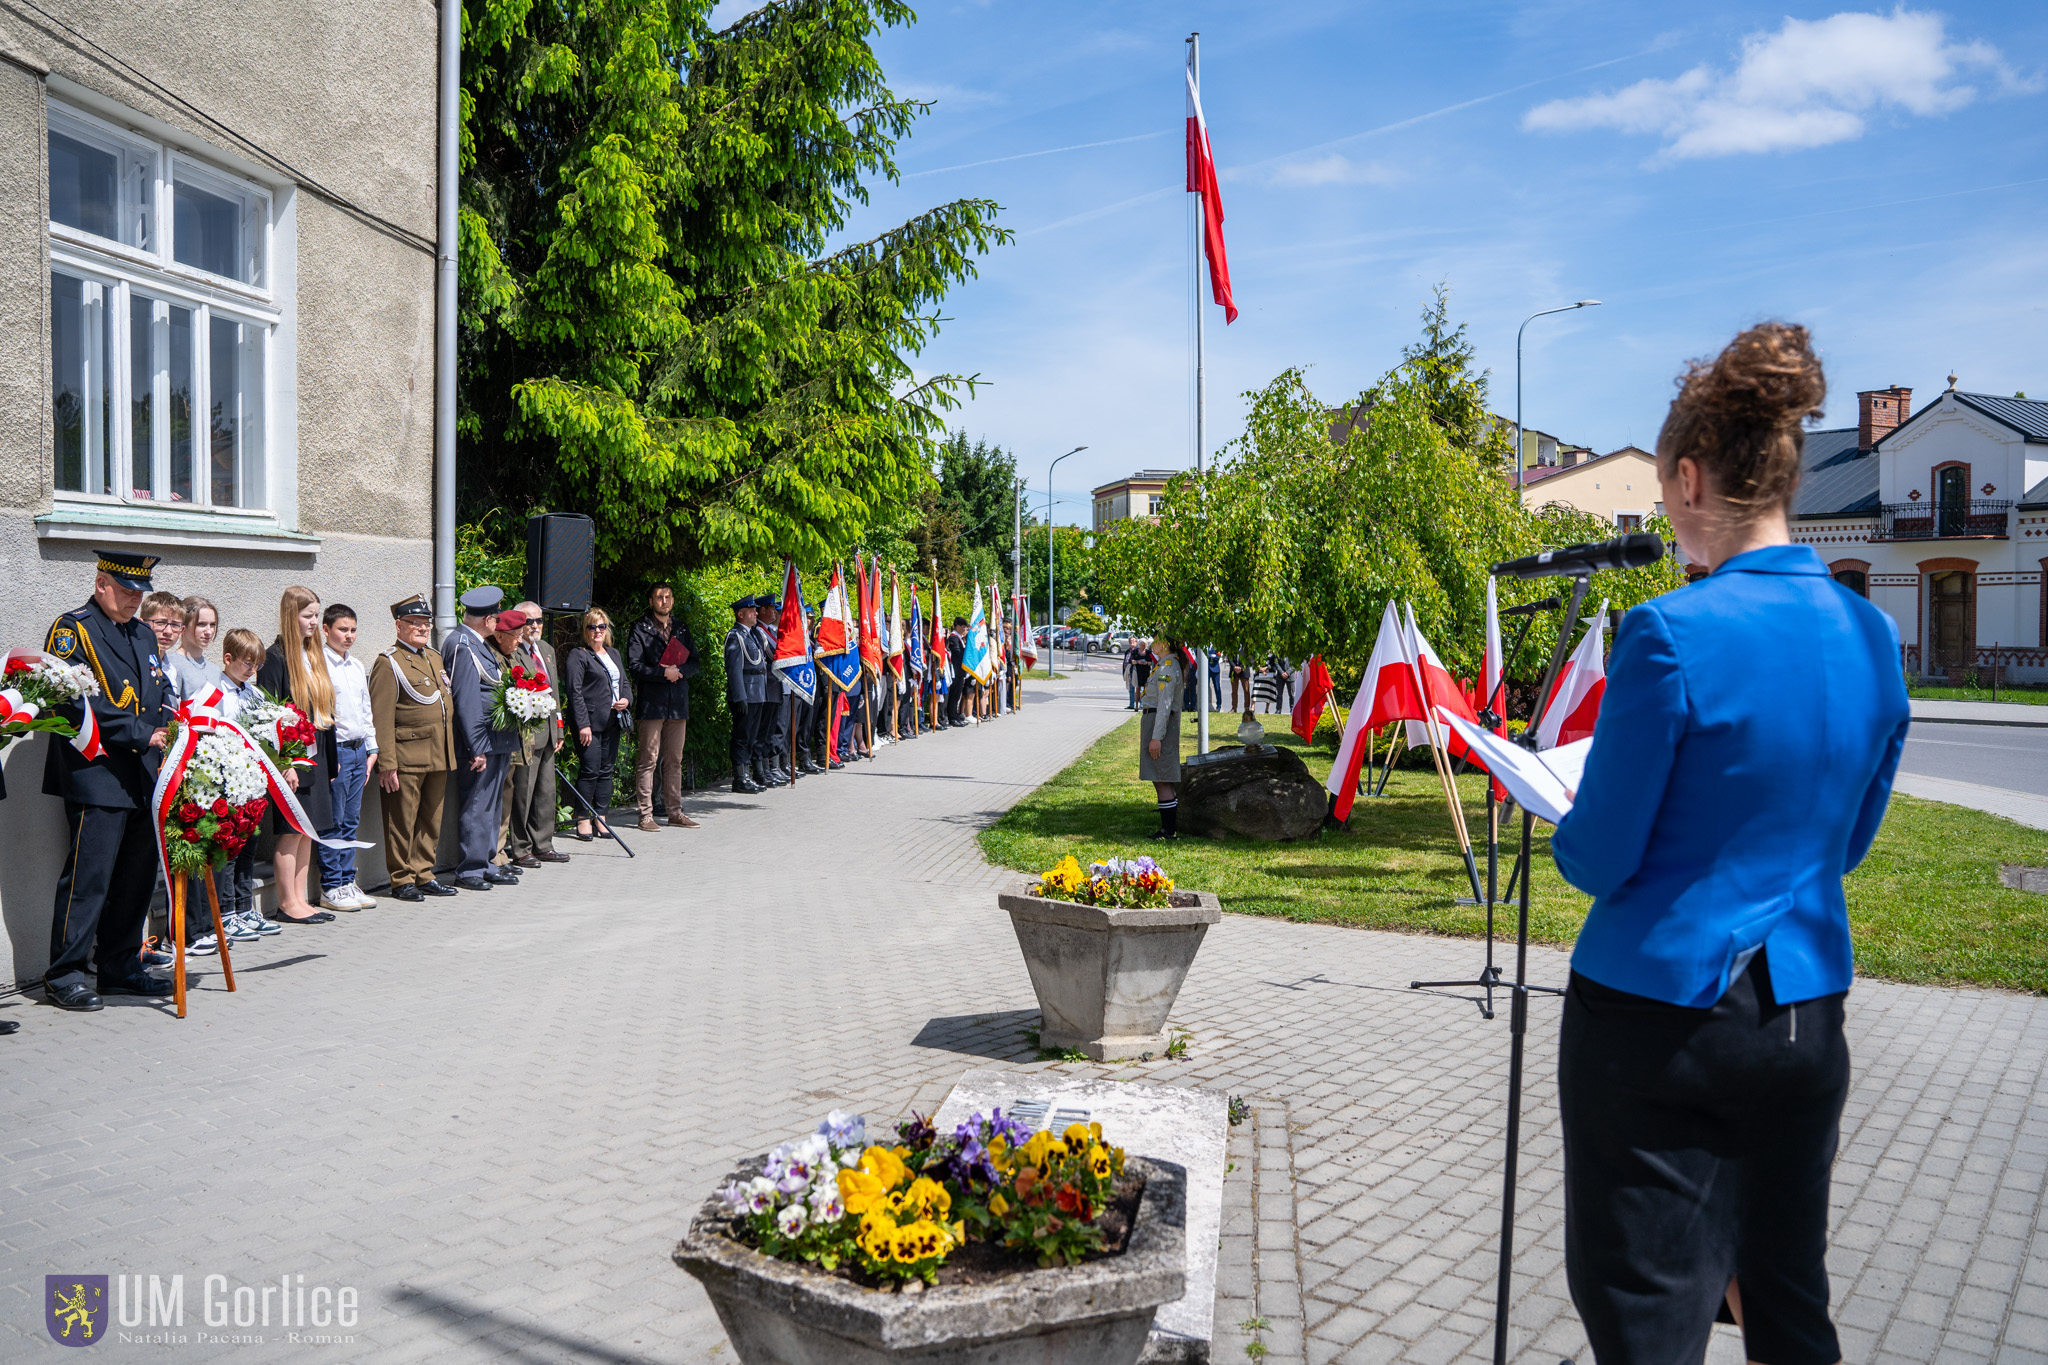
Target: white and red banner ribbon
<point>197,717</point>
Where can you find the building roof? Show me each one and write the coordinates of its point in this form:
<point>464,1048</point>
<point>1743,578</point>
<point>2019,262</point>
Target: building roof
<point>1836,479</point>
<point>1535,473</point>
<point>1142,476</point>
<point>2028,416</point>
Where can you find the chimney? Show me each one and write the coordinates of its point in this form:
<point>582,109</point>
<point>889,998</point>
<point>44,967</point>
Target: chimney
<point>1878,411</point>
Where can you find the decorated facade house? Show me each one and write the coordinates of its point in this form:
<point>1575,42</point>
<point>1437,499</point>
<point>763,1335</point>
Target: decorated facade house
<point>1940,517</point>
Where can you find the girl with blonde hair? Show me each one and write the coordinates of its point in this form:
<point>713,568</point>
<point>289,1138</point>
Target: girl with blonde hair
<point>295,670</point>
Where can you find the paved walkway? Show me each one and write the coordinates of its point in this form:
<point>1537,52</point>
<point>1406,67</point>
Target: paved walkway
<point>494,1116</point>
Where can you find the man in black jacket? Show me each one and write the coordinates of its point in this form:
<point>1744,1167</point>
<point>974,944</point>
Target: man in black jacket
<point>109,872</point>
<point>661,704</point>
<point>956,679</point>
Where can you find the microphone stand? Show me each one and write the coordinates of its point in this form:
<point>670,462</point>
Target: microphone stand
<point>1489,975</point>
<point>1518,1012</point>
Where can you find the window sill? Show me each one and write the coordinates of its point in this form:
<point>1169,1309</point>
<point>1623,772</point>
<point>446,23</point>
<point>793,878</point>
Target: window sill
<point>121,524</point>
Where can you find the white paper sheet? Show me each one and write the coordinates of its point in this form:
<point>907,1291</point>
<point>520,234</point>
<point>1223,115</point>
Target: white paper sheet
<point>1542,783</point>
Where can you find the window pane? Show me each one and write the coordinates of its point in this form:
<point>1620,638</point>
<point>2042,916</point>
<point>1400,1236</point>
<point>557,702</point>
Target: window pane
<point>203,230</point>
<point>235,363</point>
<point>142,368</point>
<point>81,400</point>
<point>84,187</point>
<point>180,418</point>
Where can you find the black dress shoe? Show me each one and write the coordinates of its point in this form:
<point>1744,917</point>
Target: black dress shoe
<point>583,838</point>
<point>154,987</point>
<point>408,892</point>
<point>434,888</point>
<point>528,861</point>
<point>745,786</point>
<point>474,883</point>
<point>76,996</point>
<point>836,766</point>
<point>552,857</point>
<point>317,917</point>
<point>497,878</point>
<point>777,778</point>
<point>8,1026</point>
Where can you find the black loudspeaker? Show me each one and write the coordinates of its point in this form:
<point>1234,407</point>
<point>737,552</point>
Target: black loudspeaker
<point>561,556</point>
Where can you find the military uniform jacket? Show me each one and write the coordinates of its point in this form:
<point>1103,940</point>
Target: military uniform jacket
<point>134,702</point>
<point>1161,696</point>
<point>773,683</point>
<point>746,667</point>
<point>474,667</point>
<point>414,715</point>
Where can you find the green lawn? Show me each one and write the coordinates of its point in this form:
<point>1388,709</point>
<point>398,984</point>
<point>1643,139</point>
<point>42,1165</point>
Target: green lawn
<point>2029,696</point>
<point>1926,906</point>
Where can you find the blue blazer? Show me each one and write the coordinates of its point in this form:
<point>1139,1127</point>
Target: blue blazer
<point>1741,764</point>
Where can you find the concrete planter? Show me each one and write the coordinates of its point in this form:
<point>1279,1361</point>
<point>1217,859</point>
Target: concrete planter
<point>785,1313</point>
<point>1107,978</point>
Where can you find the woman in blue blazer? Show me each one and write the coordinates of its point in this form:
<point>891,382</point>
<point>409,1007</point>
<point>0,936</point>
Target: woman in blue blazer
<point>1745,750</point>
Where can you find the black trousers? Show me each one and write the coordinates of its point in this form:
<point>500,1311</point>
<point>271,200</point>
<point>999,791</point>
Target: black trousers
<point>771,740</point>
<point>956,697</point>
<point>596,764</point>
<point>102,895</point>
<point>1697,1148</point>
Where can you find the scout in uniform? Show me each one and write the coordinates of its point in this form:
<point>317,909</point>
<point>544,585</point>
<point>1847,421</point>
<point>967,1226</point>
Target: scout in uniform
<point>746,692</point>
<point>482,753</point>
<point>415,749</point>
<point>109,872</point>
<point>1159,733</point>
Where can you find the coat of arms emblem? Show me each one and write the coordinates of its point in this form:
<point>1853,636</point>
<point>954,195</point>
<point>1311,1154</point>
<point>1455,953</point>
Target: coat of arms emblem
<point>75,1308</point>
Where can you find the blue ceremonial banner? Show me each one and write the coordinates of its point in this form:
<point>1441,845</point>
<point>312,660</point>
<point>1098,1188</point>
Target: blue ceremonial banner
<point>977,662</point>
<point>793,640</point>
<point>913,648</point>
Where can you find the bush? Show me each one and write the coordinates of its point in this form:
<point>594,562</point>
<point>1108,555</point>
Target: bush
<point>1083,619</point>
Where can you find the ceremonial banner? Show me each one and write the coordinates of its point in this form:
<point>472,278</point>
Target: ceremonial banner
<point>793,638</point>
<point>1386,693</point>
<point>977,662</point>
<point>940,657</point>
<point>1026,648</point>
<point>913,640</point>
<point>892,641</point>
<point>1575,704</point>
<point>838,649</point>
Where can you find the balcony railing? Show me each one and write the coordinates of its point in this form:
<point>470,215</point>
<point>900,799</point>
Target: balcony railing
<point>1977,519</point>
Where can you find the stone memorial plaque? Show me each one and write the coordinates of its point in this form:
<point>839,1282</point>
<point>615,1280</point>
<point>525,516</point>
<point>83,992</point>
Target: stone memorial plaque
<point>1181,1124</point>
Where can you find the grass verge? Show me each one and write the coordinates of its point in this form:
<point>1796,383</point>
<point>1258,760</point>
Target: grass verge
<point>2025,696</point>
<point>1926,906</point>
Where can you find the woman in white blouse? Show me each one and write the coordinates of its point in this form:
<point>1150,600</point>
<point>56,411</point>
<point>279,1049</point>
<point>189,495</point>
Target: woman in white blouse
<point>600,703</point>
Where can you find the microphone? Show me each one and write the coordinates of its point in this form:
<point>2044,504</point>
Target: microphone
<point>1623,552</point>
<point>1531,608</point>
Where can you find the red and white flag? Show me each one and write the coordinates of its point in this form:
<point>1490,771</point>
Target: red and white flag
<point>1385,693</point>
<point>1438,688</point>
<point>1492,668</point>
<point>1202,181</point>
<point>1316,687</point>
<point>1575,705</point>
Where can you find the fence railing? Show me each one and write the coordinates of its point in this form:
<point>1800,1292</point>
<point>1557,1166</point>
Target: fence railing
<point>1976,519</point>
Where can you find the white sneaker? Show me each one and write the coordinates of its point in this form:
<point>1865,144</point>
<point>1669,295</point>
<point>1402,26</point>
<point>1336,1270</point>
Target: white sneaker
<point>239,930</point>
<point>339,898</point>
<point>363,902</point>
<point>258,925</point>
<point>206,945</point>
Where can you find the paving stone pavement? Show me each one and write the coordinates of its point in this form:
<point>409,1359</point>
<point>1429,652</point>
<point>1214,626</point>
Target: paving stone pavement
<point>494,1115</point>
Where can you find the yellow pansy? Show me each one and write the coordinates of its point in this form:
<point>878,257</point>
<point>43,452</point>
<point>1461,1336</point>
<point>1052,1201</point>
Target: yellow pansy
<point>903,1244</point>
<point>999,1153</point>
<point>1075,1135</point>
<point>1041,1146</point>
<point>998,1205</point>
<point>860,1190</point>
<point>1098,1161</point>
<point>929,1196</point>
<point>884,1165</point>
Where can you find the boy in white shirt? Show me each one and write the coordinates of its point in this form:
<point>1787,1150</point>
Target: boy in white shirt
<point>355,758</point>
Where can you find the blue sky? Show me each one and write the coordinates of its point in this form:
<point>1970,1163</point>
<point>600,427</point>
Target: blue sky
<point>1880,175</point>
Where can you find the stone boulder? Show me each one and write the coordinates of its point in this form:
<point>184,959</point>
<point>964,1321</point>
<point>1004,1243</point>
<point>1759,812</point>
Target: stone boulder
<point>1263,793</point>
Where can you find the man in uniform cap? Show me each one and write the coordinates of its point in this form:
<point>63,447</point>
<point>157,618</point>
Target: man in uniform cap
<point>415,721</point>
<point>109,874</point>
<point>746,692</point>
<point>771,746</point>
<point>482,753</point>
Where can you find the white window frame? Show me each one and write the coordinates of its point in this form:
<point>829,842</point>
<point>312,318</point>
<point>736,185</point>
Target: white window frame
<point>127,271</point>
<point>1642,518</point>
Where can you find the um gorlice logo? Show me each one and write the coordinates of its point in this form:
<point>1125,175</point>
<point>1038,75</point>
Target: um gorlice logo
<point>75,1308</point>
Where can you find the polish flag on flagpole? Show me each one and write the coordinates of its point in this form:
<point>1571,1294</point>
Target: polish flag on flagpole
<point>1202,181</point>
<point>1438,687</point>
<point>1386,692</point>
<point>1575,705</point>
<point>1491,672</point>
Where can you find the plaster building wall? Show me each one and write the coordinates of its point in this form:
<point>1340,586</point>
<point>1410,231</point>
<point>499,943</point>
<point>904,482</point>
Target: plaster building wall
<point>1603,487</point>
<point>333,108</point>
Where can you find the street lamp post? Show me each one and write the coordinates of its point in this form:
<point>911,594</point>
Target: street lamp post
<point>1052,609</point>
<point>1582,303</point>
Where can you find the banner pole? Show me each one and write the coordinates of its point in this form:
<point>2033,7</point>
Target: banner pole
<point>178,940</point>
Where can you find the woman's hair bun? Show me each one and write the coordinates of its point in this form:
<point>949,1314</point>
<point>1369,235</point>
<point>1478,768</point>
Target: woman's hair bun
<point>1738,414</point>
<point>1768,374</point>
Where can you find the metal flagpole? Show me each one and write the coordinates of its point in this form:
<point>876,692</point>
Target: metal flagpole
<point>1201,408</point>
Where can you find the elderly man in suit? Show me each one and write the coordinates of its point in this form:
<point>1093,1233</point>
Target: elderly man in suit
<point>530,792</point>
<point>482,752</point>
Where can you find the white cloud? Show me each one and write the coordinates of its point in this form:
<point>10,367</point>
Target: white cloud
<point>1334,169</point>
<point>1809,84</point>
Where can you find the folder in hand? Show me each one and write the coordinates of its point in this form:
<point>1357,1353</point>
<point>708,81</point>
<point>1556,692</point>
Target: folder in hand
<point>1543,783</point>
<point>676,653</point>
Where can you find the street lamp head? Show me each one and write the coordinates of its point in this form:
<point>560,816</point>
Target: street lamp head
<point>1587,303</point>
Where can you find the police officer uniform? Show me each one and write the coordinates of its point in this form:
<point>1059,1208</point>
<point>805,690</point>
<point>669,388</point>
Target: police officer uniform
<point>771,747</point>
<point>109,874</point>
<point>474,667</point>
<point>415,719</point>
<point>746,695</point>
